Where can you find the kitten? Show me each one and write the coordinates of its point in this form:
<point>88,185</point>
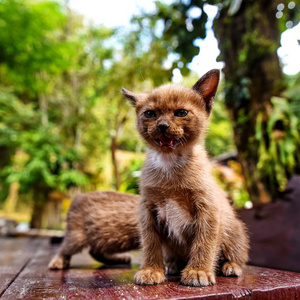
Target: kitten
<point>185,219</point>
<point>107,222</point>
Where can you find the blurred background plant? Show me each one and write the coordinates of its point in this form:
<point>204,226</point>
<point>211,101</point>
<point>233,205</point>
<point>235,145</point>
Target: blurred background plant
<point>279,156</point>
<point>64,126</point>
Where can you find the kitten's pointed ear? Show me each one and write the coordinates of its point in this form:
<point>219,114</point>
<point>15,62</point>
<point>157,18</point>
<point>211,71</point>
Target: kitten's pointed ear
<point>132,96</point>
<point>207,86</point>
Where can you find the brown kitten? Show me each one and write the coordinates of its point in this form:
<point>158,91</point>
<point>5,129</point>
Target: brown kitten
<point>185,219</point>
<point>107,222</point>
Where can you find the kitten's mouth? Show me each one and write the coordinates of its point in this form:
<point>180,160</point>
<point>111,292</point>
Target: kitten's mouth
<point>164,141</point>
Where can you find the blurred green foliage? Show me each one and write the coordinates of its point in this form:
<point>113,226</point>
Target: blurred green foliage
<point>279,155</point>
<point>62,112</point>
<point>231,179</point>
<point>63,118</point>
<point>248,33</point>
<point>130,180</point>
<point>219,137</point>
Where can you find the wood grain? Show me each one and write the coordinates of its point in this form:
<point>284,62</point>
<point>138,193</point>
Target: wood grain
<point>90,280</point>
<point>15,253</point>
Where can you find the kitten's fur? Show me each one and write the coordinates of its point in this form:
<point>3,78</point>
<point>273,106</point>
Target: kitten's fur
<point>107,222</point>
<point>185,219</point>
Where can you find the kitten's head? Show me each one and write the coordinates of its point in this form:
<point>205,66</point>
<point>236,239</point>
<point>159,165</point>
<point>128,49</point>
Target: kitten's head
<point>173,117</point>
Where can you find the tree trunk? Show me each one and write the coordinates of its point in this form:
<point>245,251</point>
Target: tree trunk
<point>40,196</point>
<point>43,105</point>
<point>113,148</point>
<point>248,43</point>
<point>10,203</point>
<point>5,154</point>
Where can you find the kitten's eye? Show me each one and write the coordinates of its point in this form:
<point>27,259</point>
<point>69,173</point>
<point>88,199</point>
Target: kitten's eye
<point>150,114</point>
<point>181,113</point>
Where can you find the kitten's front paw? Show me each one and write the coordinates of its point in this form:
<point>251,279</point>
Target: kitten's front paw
<point>197,277</point>
<point>149,276</point>
<point>231,269</point>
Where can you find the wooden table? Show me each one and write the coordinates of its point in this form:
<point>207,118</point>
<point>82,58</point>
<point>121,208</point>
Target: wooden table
<point>24,275</point>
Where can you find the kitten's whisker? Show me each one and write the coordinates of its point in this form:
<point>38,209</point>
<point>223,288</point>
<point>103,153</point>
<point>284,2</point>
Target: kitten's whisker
<point>145,134</point>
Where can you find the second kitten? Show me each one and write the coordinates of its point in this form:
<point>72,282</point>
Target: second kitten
<point>105,222</point>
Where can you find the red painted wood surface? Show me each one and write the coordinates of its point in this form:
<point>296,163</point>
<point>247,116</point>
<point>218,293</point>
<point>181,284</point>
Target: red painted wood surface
<point>31,279</point>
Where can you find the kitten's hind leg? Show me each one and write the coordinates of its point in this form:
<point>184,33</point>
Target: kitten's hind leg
<point>59,262</point>
<point>111,259</point>
<point>73,243</point>
<point>235,250</point>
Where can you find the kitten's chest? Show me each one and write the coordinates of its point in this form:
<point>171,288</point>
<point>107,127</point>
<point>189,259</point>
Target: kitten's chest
<point>165,165</point>
<point>174,221</point>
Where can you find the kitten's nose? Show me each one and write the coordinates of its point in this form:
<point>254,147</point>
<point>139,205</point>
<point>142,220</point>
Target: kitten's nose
<point>163,127</point>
